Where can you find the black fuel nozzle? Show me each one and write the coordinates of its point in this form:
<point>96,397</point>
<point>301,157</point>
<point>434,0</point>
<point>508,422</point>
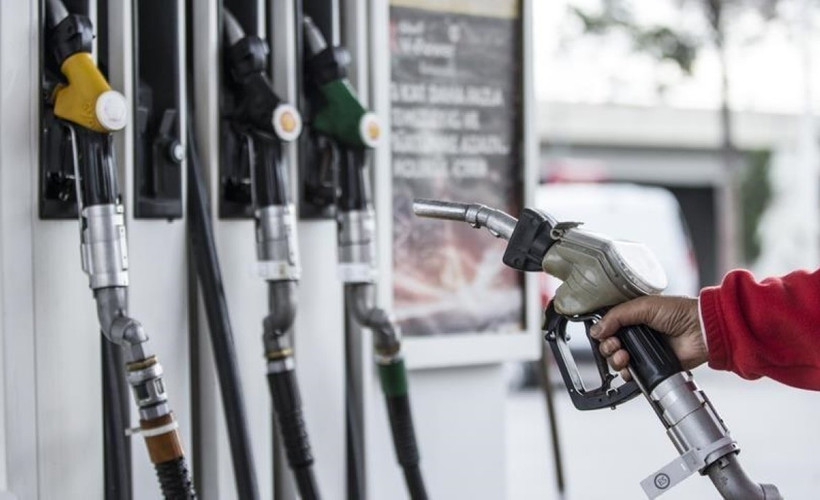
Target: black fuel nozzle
<point>257,104</point>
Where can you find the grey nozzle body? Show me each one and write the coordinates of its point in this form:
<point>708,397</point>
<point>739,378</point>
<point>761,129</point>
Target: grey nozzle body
<point>233,30</point>
<point>497,222</point>
<point>313,37</point>
<point>56,12</point>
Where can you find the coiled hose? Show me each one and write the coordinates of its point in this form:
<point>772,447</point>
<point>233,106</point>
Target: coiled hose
<point>175,479</point>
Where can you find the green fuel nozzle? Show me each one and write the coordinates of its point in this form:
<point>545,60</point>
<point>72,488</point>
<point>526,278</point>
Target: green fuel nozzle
<point>342,117</point>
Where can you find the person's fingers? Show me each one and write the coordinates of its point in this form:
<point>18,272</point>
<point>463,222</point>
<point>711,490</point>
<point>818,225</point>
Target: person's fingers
<point>625,375</point>
<point>609,346</point>
<point>635,312</point>
<point>619,360</point>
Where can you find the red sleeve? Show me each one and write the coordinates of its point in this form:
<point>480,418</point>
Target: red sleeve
<point>770,329</point>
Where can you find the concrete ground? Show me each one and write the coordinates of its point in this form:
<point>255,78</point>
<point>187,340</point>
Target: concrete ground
<point>607,453</point>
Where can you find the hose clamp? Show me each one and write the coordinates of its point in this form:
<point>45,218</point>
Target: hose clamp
<point>147,384</point>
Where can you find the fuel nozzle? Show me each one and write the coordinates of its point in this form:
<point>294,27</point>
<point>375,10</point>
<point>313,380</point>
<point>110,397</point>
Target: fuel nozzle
<point>597,271</point>
<point>341,116</point>
<point>247,60</point>
<point>87,99</point>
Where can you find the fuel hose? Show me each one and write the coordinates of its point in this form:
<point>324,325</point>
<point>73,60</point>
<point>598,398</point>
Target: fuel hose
<point>206,262</point>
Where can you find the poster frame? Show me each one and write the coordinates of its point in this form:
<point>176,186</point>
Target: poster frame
<point>452,349</point>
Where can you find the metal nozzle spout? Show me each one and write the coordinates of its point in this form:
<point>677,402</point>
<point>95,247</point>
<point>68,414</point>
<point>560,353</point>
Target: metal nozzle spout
<point>233,30</point>
<point>313,37</point>
<point>499,224</point>
<point>56,12</point>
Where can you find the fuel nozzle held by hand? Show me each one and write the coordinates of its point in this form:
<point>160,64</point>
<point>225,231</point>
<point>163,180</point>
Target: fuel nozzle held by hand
<point>599,272</point>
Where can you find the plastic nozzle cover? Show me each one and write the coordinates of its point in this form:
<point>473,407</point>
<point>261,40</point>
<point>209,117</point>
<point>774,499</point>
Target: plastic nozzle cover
<point>287,122</point>
<point>112,110</point>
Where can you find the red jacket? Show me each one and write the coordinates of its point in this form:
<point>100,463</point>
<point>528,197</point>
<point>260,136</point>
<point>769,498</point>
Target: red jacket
<point>771,328</point>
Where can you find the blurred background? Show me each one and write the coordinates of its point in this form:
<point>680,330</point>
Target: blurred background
<point>688,125</point>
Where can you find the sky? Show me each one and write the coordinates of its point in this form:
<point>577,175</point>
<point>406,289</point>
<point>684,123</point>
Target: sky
<point>767,69</point>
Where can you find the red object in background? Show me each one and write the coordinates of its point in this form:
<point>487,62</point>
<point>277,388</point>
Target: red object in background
<point>770,328</point>
<point>574,170</point>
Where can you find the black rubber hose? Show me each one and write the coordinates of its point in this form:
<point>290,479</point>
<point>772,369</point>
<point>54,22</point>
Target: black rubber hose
<point>219,324</point>
<point>116,446</point>
<point>354,191</point>
<point>393,377</point>
<point>355,460</point>
<point>175,480</point>
<point>287,404</point>
<point>404,440</point>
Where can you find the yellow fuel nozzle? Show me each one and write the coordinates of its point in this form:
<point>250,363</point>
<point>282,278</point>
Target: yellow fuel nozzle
<point>88,99</point>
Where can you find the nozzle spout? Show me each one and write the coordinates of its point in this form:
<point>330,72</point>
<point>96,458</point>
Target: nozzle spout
<point>313,37</point>
<point>233,30</point>
<point>500,224</point>
<point>56,12</point>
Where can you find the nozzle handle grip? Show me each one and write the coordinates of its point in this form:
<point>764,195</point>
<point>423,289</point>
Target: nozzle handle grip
<point>97,167</point>
<point>651,358</point>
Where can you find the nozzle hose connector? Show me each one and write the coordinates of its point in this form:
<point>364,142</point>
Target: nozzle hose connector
<point>103,246</point>
<point>357,246</point>
<point>703,441</point>
<point>159,428</point>
<point>277,248</point>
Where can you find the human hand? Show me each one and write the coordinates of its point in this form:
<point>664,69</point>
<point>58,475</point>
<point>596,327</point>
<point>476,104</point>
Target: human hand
<point>676,317</point>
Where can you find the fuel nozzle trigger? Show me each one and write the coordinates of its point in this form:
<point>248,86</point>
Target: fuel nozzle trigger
<point>603,396</point>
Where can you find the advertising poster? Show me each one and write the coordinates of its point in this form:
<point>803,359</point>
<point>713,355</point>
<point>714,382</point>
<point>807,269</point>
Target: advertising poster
<point>456,97</point>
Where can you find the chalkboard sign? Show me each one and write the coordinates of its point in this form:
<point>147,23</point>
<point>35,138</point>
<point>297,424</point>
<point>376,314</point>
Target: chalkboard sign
<point>456,122</point>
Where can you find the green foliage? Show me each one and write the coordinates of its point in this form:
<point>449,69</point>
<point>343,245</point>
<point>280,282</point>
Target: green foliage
<point>660,42</point>
<point>669,43</point>
<point>755,194</point>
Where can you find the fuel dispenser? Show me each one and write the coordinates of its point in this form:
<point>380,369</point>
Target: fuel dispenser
<point>90,111</point>
<point>244,125</point>
<point>342,132</point>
